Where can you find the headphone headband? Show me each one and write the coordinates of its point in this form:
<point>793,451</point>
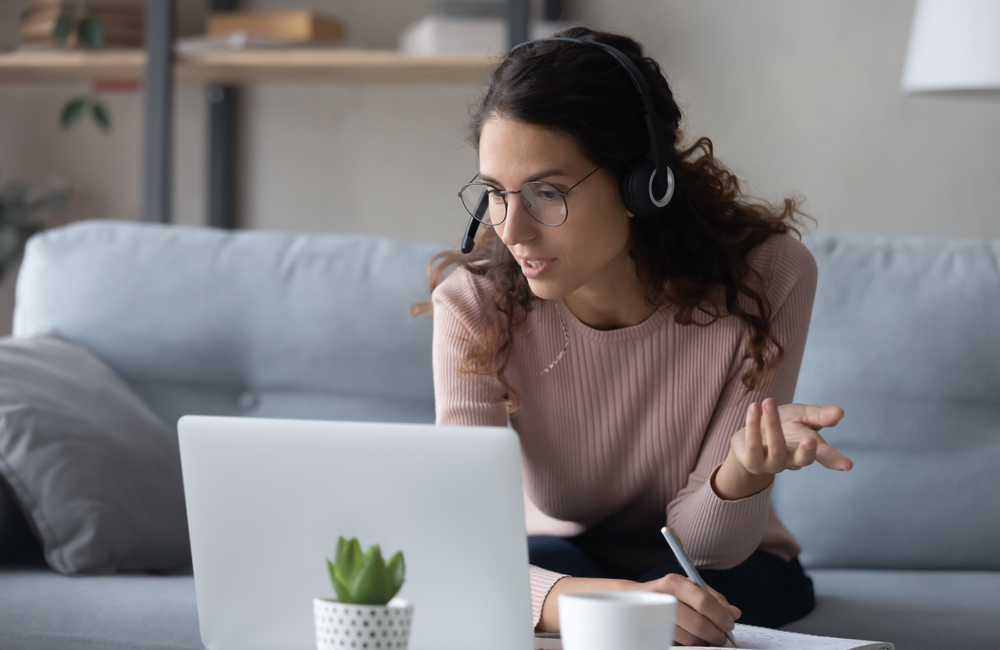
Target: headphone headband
<point>656,151</point>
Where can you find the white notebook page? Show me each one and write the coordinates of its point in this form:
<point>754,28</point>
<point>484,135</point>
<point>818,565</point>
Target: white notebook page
<point>749,637</point>
<point>761,638</point>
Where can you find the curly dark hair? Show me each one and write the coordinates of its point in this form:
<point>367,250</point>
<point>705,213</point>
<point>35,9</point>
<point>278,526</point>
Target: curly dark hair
<point>692,256</point>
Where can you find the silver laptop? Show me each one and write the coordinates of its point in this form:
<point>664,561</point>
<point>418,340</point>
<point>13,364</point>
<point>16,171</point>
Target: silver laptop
<point>267,499</point>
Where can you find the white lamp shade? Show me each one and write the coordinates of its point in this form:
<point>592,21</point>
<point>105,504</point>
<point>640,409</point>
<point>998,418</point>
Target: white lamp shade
<point>954,47</point>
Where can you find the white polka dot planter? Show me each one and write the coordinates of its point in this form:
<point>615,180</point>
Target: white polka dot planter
<point>341,626</point>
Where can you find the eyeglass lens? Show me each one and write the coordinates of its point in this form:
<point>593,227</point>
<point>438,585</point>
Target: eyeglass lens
<point>543,201</point>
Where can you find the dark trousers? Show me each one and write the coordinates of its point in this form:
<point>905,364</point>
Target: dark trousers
<point>768,590</point>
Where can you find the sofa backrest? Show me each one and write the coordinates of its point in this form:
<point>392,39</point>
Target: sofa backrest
<point>240,323</point>
<point>905,336</point>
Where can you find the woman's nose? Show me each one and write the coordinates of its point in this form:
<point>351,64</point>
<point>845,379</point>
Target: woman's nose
<point>519,226</point>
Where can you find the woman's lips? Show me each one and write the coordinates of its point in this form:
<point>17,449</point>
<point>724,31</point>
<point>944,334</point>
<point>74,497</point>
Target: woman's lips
<point>534,267</point>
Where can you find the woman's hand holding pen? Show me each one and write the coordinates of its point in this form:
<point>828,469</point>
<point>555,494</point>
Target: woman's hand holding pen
<point>701,617</point>
<point>773,440</point>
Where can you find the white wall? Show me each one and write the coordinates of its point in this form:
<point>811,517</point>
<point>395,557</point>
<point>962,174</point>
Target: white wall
<point>804,97</point>
<point>798,96</point>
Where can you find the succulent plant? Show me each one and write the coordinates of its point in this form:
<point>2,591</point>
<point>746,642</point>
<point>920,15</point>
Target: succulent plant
<point>365,578</point>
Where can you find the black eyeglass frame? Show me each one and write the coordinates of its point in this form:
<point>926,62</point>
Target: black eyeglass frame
<point>482,206</point>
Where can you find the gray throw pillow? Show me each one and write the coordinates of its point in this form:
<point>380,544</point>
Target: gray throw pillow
<point>97,472</point>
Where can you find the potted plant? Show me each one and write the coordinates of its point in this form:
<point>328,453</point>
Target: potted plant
<point>365,615</point>
<point>18,211</point>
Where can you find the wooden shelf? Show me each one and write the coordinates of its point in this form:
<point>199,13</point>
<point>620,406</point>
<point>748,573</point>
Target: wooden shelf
<point>249,65</point>
<point>71,66</point>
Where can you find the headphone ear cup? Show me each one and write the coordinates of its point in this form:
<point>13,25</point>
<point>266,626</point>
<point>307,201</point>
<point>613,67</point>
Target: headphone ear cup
<point>635,189</point>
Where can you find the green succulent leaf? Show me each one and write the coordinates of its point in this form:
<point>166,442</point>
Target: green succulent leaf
<point>349,558</point>
<point>62,28</point>
<point>372,584</point>
<point>71,112</point>
<point>101,115</point>
<point>396,567</point>
<point>343,595</point>
<point>91,32</point>
<point>365,579</point>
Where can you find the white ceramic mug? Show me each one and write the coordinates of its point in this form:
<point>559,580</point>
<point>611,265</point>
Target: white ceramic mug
<point>615,620</point>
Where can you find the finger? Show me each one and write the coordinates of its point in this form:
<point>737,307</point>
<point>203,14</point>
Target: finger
<point>754,444</point>
<point>805,453</point>
<point>734,610</point>
<point>715,617</point>
<point>777,448</point>
<point>830,458</point>
<point>819,417</point>
<point>694,629</point>
<point>681,635</point>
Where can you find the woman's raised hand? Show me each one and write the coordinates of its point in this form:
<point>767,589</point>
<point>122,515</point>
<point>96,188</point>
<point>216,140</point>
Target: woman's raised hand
<point>775,439</point>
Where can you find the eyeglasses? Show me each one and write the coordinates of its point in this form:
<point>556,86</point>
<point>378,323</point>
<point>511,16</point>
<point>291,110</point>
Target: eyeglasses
<point>543,201</point>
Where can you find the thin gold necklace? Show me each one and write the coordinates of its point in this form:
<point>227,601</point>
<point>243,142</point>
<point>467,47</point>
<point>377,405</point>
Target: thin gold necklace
<point>565,329</point>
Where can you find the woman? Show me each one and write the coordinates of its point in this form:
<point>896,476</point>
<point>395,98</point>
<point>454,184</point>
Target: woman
<point>640,359</point>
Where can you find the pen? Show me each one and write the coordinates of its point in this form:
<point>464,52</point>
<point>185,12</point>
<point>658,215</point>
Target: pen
<point>681,554</point>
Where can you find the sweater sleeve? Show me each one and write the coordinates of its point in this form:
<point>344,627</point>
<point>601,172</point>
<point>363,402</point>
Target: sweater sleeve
<point>720,534</point>
<point>470,400</point>
<point>461,400</point>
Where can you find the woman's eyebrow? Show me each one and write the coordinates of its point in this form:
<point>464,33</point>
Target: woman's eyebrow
<point>546,173</point>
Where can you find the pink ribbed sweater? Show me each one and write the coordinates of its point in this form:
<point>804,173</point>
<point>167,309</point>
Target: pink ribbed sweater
<point>623,434</point>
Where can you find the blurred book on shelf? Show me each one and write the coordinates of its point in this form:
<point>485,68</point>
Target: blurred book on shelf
<point>291,27</point>
<point>192,45</point>
<point>467,26</point>
<point>94,6</point>
<point>122,20</point>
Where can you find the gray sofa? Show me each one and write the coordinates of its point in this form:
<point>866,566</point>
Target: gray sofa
<point>904,336</point>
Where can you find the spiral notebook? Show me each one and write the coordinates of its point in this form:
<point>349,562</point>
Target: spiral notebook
<point>749,637</point>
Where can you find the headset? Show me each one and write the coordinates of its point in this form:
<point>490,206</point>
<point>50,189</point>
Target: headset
<point>639,183</point>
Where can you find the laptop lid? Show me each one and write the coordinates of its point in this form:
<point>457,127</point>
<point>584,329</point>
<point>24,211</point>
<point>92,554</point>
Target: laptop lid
<point>267,500</point>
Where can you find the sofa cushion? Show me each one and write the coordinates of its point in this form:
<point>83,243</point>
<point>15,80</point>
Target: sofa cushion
<point>904,338</point>
<point>914,610</point>
<point>208,319</point>
<point>95,470</point>
<point>42,610</point>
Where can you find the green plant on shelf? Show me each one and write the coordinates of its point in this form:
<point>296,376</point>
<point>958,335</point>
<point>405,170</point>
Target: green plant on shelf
<point>77,106</point>
<point>365,578</point>
<point>87,31</point>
